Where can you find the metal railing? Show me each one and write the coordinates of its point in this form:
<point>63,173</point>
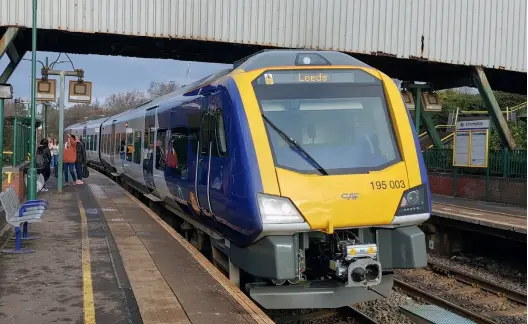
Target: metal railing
<point>506,163</point>
<point>17,149</point>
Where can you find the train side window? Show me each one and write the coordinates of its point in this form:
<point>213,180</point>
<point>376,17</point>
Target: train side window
<point>161,147</point>
<point>220,141</point>
<point>90,143</point>
<point>137,147</point>
<point>96,143</point>
<point>129,146</point>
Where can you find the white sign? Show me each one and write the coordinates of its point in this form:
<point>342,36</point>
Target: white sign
<point>479,146</point>
<point>472,124</point>
<point>461,149</point>
<point>471,149</point>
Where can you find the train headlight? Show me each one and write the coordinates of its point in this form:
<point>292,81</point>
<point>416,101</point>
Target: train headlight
<point>277,210</point>
<point>414,201</point>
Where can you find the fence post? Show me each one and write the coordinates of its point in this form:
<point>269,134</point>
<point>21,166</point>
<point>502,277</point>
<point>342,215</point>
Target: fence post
<point>506,162</point>
<point>487,183</point>
<point>454,181</point>
<point>15,142</point>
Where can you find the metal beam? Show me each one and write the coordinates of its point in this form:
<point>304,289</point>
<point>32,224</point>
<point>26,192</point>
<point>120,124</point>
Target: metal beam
<point>481,81</point>
<point>430,127</point>
<point>10,68</point>
<point>7,39</point>
<point>7,46</point>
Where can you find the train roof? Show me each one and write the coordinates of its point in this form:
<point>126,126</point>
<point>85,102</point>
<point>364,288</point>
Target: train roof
<point>294,57</point>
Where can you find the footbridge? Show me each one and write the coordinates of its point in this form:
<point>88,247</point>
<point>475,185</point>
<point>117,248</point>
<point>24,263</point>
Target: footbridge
<point>448,43</point>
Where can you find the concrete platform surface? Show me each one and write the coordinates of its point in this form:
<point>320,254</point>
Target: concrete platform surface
<point>504,217</point>
<point>103,257</point>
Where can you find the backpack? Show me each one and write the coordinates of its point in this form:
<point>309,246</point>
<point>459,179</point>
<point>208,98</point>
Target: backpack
<point>39,160</point>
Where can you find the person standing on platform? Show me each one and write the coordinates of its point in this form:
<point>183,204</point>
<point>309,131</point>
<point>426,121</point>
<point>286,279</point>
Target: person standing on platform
<point>44,161</point>
<point>80,159</point>
<point>69,157</point>
<point>54,148</point>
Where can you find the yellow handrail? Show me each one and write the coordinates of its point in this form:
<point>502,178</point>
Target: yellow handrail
<point>443,140</point>
<point>438,126</point>
<point>483,112</point>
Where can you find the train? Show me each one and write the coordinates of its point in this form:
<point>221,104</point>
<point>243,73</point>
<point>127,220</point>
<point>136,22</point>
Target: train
<point>298,173</point>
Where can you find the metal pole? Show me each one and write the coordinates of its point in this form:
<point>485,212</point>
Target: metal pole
<point>45,120</point>
<point>417,109</point>
<point>61,130</point>
<point>2,140</point>
<point>32,174</point>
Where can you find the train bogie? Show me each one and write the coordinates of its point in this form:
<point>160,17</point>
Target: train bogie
<point>300,169</point>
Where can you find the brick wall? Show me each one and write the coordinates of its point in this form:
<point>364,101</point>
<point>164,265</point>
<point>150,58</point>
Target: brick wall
<point>14,177</point>
<point>501,190</point>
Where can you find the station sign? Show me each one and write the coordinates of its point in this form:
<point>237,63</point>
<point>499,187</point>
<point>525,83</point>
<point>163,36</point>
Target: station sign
<point>80,92</point>
<point>471,143</point>
<point>429,101</point>
<point>408,99</point>
<point>46,90</point>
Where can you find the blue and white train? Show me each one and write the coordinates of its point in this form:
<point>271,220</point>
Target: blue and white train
<point>297,172</point>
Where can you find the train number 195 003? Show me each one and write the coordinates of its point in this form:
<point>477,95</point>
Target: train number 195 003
<point>383,185</point>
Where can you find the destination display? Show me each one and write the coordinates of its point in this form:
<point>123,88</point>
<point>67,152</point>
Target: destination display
<point>315,76</point>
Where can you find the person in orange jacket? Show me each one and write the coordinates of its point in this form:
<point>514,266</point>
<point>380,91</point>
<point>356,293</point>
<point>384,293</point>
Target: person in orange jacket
<point>69,157</point>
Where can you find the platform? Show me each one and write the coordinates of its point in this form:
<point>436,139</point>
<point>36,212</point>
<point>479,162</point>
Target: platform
<point>103,257</point>
<point>499,216</point>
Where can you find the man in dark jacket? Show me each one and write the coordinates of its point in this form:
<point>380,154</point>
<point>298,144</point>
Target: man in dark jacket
<point>80,160</point>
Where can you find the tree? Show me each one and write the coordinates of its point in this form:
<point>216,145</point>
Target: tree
<point>158,88</point>
<point>120,102</point>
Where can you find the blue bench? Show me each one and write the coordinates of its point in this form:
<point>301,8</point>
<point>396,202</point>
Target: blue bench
<point>18,214</point>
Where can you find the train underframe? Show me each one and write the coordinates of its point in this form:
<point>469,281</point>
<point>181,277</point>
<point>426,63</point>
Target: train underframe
<point>307,270</point>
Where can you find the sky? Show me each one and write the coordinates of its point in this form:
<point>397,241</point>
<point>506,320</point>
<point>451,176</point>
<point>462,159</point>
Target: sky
<point>110,74</point>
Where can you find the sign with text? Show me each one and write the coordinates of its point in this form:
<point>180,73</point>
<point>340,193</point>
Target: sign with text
<point>472,124</point>
<point>470,148</point>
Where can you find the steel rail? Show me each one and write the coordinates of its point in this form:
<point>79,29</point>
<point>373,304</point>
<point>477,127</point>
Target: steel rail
<point>430,298</point>
<point>481,283</point>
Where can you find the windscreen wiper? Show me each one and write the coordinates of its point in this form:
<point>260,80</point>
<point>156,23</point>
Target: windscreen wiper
<point>293,143</point>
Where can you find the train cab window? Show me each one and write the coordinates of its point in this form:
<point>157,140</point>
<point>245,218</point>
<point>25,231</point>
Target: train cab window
<point>345,115</point>
<point>137,147</point>
<point>161,147</point>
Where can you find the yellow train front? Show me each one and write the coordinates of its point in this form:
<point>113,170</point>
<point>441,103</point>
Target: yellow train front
<point>342,183</point>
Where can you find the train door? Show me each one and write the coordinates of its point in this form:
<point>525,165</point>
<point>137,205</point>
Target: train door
<point>161,141</point>
<point>112,143</point>
<point>148,149</point>
<point>84,135</point>
<point>209,168</point>
<point>119,149</point>
<point>202,168</point>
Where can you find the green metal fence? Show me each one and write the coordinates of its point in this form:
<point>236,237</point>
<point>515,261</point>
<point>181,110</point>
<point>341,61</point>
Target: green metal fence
<point>16,140</point>
<point>506,163</point>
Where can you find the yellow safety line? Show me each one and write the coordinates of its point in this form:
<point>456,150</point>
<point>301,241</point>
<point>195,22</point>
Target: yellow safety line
<point>256,313</point>
<point>88,298</point>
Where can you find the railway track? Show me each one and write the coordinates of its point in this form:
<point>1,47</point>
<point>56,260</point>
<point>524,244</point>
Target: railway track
<point>492,303</point>
<point>343,315</point>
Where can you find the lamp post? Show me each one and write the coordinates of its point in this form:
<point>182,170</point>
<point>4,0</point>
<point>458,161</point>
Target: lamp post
<point>32,173</point>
